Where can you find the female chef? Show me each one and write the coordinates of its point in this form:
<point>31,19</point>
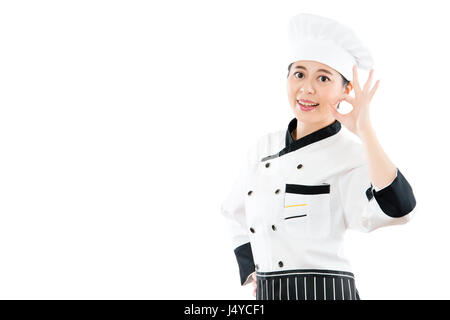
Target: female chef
<point>301,188</point>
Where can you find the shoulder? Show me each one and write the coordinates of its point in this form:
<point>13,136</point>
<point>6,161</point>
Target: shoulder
<point>349,150</point>
<point>270,143</point>
<point>266,144</point>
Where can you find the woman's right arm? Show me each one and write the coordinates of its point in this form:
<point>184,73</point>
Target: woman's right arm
<point>233,209</point>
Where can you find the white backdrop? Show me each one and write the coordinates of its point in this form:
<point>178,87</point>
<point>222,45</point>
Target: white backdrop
<point>123,125</point>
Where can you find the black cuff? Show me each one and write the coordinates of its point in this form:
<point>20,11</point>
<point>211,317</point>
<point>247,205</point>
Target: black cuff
<point>397,199</point>
<point>244,258</point>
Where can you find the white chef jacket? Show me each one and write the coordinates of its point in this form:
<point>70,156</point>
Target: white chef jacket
<point>293,200</point>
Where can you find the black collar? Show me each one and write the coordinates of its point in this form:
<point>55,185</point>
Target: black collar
<point>325,132</point>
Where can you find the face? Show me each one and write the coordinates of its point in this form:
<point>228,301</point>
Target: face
<point>312,82</point>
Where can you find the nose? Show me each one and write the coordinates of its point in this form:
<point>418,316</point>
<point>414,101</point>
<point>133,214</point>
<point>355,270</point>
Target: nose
<point>306,87</point>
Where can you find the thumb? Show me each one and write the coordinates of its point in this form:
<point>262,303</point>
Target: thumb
<point>335,113</point>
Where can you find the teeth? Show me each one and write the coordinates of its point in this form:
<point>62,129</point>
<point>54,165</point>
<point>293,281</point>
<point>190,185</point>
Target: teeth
<point>308,104</point>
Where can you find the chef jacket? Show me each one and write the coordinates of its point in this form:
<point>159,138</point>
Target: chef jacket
<point>292,202</point>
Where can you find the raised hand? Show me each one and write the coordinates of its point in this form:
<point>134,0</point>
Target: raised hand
<point>358,120</point>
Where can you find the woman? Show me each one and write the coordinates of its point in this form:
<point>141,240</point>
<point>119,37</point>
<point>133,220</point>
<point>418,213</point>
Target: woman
<point>301,188</point>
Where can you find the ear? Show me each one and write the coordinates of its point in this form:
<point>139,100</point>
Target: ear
<point>349,88</point>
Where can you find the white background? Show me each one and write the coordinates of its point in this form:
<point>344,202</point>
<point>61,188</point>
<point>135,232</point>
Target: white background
<point>124,123</point>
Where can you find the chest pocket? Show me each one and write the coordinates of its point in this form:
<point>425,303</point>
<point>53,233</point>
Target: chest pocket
<point>306,212</point>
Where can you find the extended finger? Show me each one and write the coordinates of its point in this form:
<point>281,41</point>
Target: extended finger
<point>374,89</point>
<point>355,79</point>
<point>369,81</point>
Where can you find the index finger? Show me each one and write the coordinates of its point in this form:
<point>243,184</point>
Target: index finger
<point>355,79</point>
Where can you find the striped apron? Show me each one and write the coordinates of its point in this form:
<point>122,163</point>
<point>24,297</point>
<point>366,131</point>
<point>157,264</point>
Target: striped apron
<point>306,284</point>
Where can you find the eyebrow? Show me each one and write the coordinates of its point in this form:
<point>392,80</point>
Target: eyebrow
<point>322,70</point>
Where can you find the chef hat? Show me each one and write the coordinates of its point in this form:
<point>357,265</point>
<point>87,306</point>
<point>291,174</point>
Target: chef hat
<point>327,41</point>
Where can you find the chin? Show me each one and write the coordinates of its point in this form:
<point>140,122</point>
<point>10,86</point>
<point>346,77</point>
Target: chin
<point>309,116</point>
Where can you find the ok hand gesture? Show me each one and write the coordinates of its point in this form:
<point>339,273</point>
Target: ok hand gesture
<point>358,120</point>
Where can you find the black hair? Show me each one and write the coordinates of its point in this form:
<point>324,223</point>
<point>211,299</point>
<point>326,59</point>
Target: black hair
<point>344,80</point>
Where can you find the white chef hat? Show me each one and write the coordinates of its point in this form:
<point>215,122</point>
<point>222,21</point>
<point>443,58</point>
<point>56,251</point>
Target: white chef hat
<point>312,37</point>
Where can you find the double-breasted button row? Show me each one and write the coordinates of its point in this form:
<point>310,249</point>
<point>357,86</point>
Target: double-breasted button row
<point>298,167</point>
<point>251,192</point>
<point>274,228</point>
<point>252,230</point>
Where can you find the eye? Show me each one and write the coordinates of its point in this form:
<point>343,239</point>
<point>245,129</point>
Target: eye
<point>298,73</point>
<point>321,77</point>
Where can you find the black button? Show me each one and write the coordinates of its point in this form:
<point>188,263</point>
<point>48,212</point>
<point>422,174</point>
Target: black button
<point>256,267</point>
<point>280,263</point>
<point>267,164</point>
<point>277,191</point>
<point>299,166</point>
<point>274,228</point>
<point>250,192</point>
<point>252,230</point>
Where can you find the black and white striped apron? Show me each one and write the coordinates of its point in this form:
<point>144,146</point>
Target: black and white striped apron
<point>306,285</point>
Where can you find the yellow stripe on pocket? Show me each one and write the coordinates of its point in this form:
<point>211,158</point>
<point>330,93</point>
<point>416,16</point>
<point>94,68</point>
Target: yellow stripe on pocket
<point>296,205</point>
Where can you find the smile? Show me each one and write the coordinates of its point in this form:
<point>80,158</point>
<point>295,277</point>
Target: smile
<point>307,106</point>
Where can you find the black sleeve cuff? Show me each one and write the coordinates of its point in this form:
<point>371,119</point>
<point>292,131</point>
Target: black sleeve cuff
<point>397,199</point>
<point>245,261</point>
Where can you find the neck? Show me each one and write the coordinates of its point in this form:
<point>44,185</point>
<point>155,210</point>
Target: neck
<point>305,128</point>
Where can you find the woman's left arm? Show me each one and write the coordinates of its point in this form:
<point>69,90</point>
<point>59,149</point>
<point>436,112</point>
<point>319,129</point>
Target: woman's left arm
<point>381,169</point>
<point>396,198</point>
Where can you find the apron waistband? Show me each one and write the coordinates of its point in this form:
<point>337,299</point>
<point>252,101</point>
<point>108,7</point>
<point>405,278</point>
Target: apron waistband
<point>305,284</point>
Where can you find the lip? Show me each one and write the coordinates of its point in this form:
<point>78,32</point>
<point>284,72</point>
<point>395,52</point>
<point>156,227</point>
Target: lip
<point>305,108</point>
<point>306,101</point>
